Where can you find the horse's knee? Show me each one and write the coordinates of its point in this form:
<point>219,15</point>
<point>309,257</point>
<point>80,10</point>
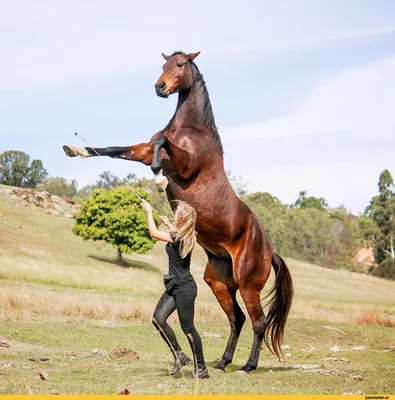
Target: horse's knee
<point>158,144</point>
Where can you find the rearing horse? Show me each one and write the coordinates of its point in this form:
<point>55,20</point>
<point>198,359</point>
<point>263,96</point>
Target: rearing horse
<point>189,153</point>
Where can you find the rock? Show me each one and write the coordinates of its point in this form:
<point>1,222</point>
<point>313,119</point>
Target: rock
<point>359,348</point>
<point>333,329</point>
<point>124,352</point>
<point>52,212</point>
<point>97,351</point>
<point>56,199</point>
<point>288,355</point>
<point>285,347</point>
<point>1,215</point>
<point>212,335</point>
<point>358,392</point>
<point>5,365</point>
<point>334,359</point>
<point>335,349</point>
<point>3,343</point>
<point>124,392</point>
<point>110,324</point>
<point>306,366</point>
<point>310,349</point>
<point>68,215</point>
<point>5,191</point>
<point>43,375</point>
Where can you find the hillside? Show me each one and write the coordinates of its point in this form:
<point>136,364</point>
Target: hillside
<point>41,249</point>
<point>60,295</point>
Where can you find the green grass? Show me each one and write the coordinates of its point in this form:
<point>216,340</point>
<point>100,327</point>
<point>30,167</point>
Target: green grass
<point>72,368</point>
<point>61,297</point>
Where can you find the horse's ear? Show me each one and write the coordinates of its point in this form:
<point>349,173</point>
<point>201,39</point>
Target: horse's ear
<point>167,58</point>
<point>192,56</point>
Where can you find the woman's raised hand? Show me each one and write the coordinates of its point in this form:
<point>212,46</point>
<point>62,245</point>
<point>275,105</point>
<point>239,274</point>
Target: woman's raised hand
<point>165,220</point>
<point>147,206</point>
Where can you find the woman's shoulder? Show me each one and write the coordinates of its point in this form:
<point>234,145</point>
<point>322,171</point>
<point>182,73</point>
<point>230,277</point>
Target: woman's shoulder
<point>174,236</point>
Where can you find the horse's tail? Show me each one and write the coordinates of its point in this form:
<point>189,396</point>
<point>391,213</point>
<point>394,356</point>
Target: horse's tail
<point>279,305</point>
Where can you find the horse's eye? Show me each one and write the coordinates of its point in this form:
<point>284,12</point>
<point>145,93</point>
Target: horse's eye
<point>180,65</point>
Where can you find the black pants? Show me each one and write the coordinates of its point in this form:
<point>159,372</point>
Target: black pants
<point>182,299</point>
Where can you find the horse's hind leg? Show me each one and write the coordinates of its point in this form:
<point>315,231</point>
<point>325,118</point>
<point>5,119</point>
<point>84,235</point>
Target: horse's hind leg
<point>226,295</point>
<point>251,270</point>
<point>252,301</point>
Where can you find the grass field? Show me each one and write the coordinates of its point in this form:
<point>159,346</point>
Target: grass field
<point>60,298</point>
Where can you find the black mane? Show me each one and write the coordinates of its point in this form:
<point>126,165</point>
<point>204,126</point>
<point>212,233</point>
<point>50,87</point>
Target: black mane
<point>208,111</point>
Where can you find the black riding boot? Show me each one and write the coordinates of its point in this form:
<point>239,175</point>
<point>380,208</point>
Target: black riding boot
<point>200,370</point>
<point>180,359</point>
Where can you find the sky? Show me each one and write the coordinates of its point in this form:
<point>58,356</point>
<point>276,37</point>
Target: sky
<point>303,92</point>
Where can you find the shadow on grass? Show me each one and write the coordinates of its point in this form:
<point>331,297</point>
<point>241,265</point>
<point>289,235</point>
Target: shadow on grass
<point>127,264</point>
<point>235,368</point>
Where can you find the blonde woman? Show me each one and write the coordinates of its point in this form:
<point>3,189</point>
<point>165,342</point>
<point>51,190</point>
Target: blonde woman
<point>181,289</point>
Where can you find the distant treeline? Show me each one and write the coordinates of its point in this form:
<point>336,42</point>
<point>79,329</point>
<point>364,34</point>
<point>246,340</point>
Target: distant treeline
<point>308,229</point>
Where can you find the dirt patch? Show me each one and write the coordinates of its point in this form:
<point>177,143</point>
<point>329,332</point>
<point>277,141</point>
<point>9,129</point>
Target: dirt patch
<point>124,352</point>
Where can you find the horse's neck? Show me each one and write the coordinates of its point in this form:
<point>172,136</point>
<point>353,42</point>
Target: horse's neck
<point>193,107</point>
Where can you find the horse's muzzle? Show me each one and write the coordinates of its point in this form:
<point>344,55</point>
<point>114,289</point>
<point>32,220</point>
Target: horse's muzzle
<point>160,89</point>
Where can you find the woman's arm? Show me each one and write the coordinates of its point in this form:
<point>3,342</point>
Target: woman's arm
<point>167,223</point>
<point>153,230</point>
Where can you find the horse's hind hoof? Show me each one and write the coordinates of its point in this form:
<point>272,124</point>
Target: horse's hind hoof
<point>161,182</point>
<point>74,151</point>
<point>241,372</point>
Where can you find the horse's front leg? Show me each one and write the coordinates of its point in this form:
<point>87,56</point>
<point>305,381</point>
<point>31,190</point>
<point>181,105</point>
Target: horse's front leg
<point>185,163</point>
<point>142,152</point>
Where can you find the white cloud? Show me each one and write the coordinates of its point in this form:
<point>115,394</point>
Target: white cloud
<point>359,102</point>
<point>334,143</point>
<point>56,42</point>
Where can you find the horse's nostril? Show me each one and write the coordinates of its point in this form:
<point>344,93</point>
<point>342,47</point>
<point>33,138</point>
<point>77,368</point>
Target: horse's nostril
<point>162,85</point>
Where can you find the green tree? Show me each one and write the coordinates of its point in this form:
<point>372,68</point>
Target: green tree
<point>16,170</point>
<point>310,202</point>
<point>115,216</point>
<point>379,226</point>
<point>106,180</point>
<point>238,183</point>
<point>59,186</point>
<point>158,200</point>
<point>272,213</point>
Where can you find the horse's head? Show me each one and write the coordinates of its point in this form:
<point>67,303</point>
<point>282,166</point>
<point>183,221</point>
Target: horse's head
<point>178,74</point>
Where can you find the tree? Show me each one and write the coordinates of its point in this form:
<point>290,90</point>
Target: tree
<point>310,202</point>
<point>59,186</point>
<point>106,180</point>
<point>379,226</point>
<point>109,181</point>
<point>16,170</point>
<point>238,183</point>
<point>115,216</point>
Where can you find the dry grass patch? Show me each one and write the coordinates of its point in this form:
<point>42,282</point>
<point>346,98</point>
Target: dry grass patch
<point>372,318</point>
<point>85,305</point>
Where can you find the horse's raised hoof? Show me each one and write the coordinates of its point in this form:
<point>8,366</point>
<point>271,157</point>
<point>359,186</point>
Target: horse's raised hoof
<point>74,151</point>
<point>161,181</point>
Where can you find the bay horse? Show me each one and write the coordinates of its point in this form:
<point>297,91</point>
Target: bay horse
<point>189,154</point>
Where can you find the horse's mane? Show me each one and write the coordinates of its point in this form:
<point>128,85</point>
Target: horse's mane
<point>208,111</point>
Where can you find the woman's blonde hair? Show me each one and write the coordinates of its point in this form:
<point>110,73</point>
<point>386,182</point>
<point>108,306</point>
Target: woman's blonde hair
<point>185,221</point>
